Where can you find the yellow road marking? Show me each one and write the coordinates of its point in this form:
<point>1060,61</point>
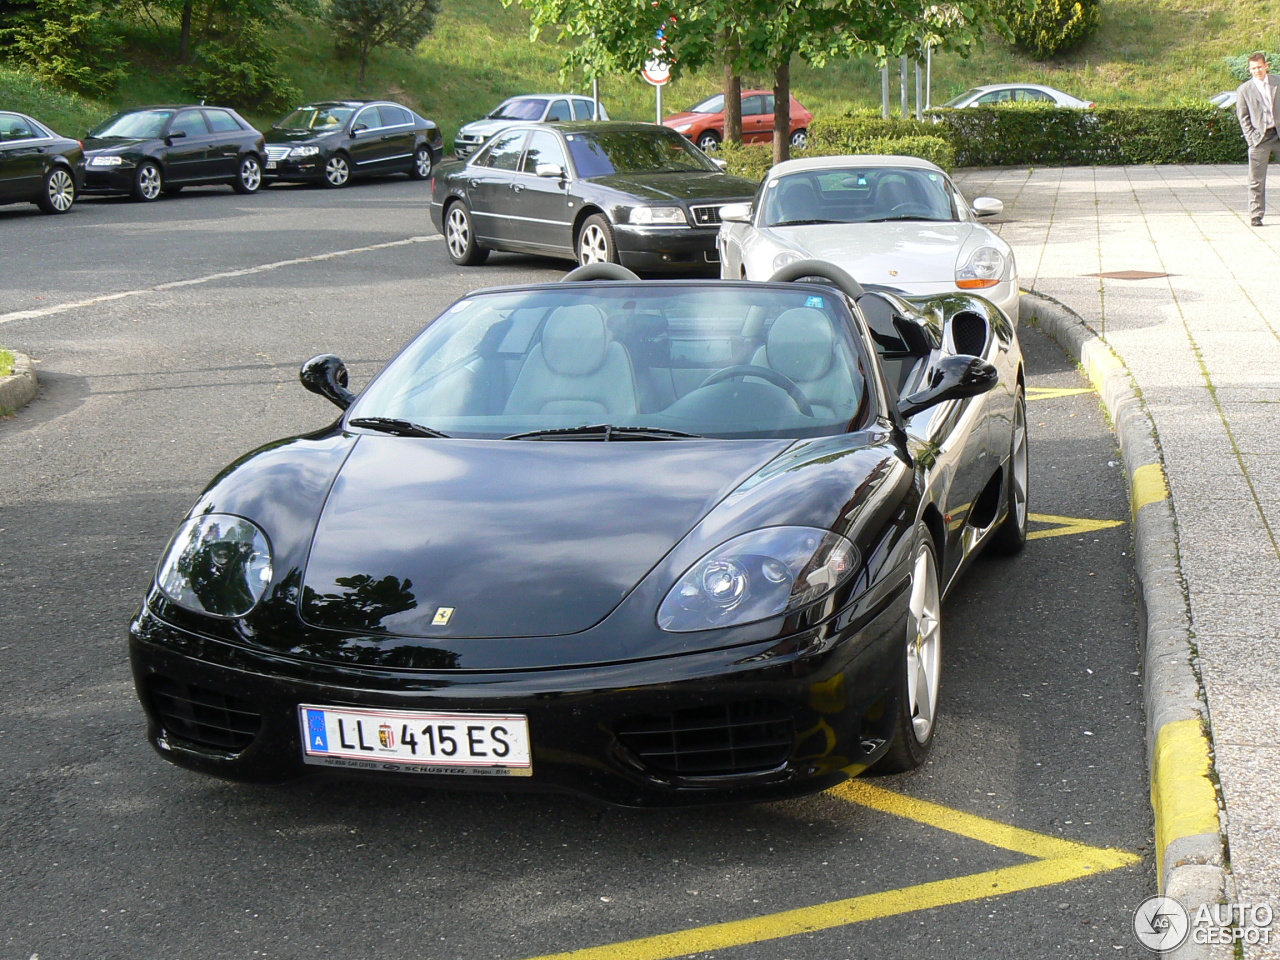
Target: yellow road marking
<point>1065,526</point>
<point>1149,486</point>
<point>1056,861</point>
<point>1182,794</point>
<point>1053,393</point>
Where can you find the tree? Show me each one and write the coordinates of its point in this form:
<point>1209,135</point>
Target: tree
<point>364,25</point>
<point>1050,27</point>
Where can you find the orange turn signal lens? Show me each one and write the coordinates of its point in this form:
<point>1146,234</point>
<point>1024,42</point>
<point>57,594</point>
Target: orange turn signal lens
<point>975,284</point>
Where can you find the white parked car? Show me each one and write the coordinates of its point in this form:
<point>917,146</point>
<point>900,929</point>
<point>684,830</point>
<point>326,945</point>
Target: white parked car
<point>531,107</point>
<point>1225,100</point>
<point>994,93</point>
<point>893,221</point>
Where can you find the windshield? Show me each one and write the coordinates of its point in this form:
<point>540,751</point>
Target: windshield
<point>141,125</point>
<point>316,118</point>
<point>635,151</point>
<point>710,105</point>
<point>522,109</point>
<point>726,361</point>
<point>858,195</point>
<point>956,101</point>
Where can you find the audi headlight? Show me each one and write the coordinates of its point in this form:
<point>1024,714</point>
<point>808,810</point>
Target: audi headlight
<point>756,576</point>
<point>304,151</point>
<point>659,216</point>
<point>217,564</point>
<point>785,258</point>
<point>984,268</point>
<point>106,161</point>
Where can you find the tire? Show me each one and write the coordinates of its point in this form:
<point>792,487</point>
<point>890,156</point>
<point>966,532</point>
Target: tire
<point>921,670</point>
<point>799,139</point>
<point>1011,536</point>
<point>708,141</point>
<point>460,237</point>
<point>422,164</point>
<point>248,175</point>
<point>595,242</point>
<point>58,194</point>
<point>337,171</point>
<point>148,182</point>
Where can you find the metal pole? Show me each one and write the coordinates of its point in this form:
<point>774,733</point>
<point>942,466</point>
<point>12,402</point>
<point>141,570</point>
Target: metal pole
<point>906,98</point>
<point>928,77</point>
<point>595,98</point>
<point>884,91</point>
<point>658,88</point>
<point>919,90</point>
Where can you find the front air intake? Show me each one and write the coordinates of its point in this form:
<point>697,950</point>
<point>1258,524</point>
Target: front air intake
<point>202,717</point>
<point>722,740</point>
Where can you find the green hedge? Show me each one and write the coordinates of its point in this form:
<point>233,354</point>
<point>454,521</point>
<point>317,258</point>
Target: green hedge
<point>1024,135</point>
<point>754,160</point>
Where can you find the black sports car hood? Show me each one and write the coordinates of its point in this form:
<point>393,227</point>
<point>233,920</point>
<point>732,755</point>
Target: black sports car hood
<point>690,185</point>
<point>466,538</point>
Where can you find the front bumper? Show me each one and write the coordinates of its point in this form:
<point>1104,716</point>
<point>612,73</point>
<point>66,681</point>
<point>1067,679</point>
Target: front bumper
<point>109,179</point>
<point>825,701</point>
<point>304,168</point>
<point>668,249</point>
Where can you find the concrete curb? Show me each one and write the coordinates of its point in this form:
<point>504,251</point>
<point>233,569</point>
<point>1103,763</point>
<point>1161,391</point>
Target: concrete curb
<point>1189,832</point>
<point>17,390</point>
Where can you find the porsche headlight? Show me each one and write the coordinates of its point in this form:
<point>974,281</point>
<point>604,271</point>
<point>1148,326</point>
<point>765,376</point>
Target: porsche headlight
<point>217,564</point>
<point>785,258</point>
<point>756,576</point>
<point>659,216</point>
<point>984,268</point>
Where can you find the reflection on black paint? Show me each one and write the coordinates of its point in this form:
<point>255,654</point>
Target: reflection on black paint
<point>363,604</point>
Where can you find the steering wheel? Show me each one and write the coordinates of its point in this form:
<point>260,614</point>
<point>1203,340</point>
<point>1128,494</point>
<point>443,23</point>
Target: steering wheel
<point>742,370</point>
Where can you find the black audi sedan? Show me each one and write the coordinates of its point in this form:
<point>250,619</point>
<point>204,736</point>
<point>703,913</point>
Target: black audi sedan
<point>38,166</point>
<point>631,193</point>
<point>159,150</point>
<point>332,142</point>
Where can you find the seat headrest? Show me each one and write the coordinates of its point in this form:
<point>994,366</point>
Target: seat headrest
<point>798,200</point>
<point>574,340</point>
<point>801,344</point>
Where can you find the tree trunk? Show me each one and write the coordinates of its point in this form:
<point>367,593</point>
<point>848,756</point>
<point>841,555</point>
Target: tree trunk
<point>184,44</point>
<point>782,111</point>
<point>732,90</point>
<point>364,61</point>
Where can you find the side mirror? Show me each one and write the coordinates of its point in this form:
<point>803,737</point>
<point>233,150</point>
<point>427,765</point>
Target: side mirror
<point>988,206</point>
<point>327,376</point>
<point>553,170</point>
<point>175,135</point>
<point>722,164</point>
<point>736,213</point>
<point>954,378</point>
<point>359,128</point>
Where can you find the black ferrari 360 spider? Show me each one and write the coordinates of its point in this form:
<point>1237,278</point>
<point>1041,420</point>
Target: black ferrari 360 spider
<point>654,542</point>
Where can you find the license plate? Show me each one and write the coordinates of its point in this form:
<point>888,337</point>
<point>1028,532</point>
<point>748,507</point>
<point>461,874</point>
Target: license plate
<point>271,164</point>
<point>403,741</point>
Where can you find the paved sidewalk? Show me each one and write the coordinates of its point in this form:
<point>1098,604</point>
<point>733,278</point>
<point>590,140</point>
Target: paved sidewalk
<point>1203,346</point>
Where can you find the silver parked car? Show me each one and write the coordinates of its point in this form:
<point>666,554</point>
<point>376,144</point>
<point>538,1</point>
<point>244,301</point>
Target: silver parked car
<point>530,107</point>
<point>994,93</point>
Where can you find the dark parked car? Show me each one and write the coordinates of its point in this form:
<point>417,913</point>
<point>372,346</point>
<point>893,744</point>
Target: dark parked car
<point>631,193</point>
<point>334,141</point>
<point>155,150</point>
<point>38,166</point>
<point>655,542</point>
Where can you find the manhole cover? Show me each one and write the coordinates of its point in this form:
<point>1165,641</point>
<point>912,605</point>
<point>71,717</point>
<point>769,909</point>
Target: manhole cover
<point>1128,275</point>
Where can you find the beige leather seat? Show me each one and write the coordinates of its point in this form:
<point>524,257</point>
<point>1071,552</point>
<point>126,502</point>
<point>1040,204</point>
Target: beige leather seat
<point>575,370</point>
<point>802,347</point>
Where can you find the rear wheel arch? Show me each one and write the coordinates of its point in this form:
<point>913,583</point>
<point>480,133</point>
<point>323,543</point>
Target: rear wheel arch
<point>932,518</point>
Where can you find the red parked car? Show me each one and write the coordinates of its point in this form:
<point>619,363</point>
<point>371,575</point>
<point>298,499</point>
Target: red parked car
<point>703,123</point>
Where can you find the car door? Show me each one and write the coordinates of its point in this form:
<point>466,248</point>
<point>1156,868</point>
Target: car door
<point>21,163</point>
<point>754,128</point>
<point>540,208</point>
<point>559,110</point>
<point>225,143</point>
<point>489,180</point>
<point>369,152</point>
<point>397,137</point>
<point>1027,95</point>
<point>186,157</point>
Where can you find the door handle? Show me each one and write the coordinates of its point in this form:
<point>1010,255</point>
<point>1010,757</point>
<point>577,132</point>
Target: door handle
<point>475,184</point>
<point>517,187</point>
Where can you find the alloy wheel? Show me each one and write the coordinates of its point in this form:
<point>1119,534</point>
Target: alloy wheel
<point>250,174</point>
<point>924,644</point>
<point>593,245</point>
<point>149,181</point>
<point>62,191</point>
<point>337,171</point>
<point>422,163</point>
<point>458,232</point>
<point>1018,466</point>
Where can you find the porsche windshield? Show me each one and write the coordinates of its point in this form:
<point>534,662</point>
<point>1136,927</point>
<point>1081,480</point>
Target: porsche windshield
<point>858,195</point>
<point>653,361</point>
<point>635,151</point>
<point>316,118</point>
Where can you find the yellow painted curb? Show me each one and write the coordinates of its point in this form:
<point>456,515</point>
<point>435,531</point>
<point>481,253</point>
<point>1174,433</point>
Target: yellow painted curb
<point>1182,795</point>
<point>1149,486</point>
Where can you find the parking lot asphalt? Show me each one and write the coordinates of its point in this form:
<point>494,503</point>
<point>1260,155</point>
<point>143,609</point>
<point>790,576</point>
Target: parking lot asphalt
<point>1028,833</point>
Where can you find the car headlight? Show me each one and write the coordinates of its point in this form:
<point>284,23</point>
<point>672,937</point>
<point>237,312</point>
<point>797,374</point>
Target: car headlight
<point>756,576</point>
<point>659,216</point>
<point>304,151</point>
<point>106,161</point>
<point>217,564</point>
<point>683,128</point>
<point>984,268</point>
<point>785,258</point>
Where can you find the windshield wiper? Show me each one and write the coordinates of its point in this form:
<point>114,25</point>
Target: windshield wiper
<point>802,223</point>
<point>400,428</point>
<point>913,216</point>
<point>606,432</point>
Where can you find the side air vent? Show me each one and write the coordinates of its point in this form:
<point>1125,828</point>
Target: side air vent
<point>969,334</point>
<point>722,740</point>
<point>203,717</point>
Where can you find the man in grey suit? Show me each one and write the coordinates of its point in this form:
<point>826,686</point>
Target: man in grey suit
<point>1257,103</point>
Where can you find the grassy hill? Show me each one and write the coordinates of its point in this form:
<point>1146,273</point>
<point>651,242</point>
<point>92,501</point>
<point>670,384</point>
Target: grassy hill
<point>1147,51</point>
